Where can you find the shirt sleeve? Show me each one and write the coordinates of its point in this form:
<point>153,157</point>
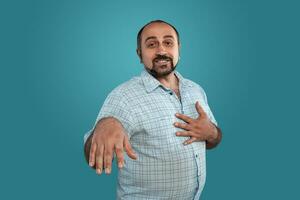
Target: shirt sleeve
<point>207,108</point>
<point>116,105</point>
<point>86,136</point>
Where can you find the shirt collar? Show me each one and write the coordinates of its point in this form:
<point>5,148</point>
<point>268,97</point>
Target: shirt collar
<point>152,83</point>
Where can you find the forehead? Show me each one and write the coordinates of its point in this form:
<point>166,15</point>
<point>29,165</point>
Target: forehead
<point>158,30</point>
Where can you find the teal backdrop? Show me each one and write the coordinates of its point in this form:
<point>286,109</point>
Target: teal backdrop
<point>60,59</point>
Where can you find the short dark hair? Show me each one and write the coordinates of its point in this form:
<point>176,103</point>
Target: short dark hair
<point>139,35</point>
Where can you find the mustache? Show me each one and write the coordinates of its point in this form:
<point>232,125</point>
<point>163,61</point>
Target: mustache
<point>162,57</point>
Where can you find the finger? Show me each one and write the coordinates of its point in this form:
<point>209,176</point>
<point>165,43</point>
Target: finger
<point>200,110</point>
<point>184,117</point>
<point>183,126</point>
<point>189,141</point>
<point>129,149</point>
<point>99,159</point>
<point>108,156</point>
<point>185,133</point>
<point>92,154</point>
<point>119,154</point>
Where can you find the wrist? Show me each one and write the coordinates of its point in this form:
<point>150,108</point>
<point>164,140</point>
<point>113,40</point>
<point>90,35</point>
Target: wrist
<point>107,121</point>
<point>213,136</point>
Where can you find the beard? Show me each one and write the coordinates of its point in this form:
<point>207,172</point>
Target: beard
<point>161,66</point>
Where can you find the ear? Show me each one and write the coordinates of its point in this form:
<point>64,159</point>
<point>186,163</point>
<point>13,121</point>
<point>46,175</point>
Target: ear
<point>179,49</point>
<point>138,51</point>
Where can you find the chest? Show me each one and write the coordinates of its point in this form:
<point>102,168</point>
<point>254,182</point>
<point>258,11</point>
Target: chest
<point>156,110</point>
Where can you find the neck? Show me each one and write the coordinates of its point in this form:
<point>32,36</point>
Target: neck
<point>169,81</point>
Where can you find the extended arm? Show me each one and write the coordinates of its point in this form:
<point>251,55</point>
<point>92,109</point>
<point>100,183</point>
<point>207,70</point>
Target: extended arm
<point>107,138</point>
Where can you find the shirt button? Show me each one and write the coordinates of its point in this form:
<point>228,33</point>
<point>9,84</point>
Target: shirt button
<point>196,155</point>
<point>171,93</point>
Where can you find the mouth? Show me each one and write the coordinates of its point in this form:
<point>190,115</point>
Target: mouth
<point>161,62</point>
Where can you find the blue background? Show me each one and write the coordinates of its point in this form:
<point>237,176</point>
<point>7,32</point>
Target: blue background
<point>59,60</point>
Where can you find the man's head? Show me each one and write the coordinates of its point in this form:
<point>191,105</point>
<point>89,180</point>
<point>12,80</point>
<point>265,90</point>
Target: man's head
<point>158,47</point>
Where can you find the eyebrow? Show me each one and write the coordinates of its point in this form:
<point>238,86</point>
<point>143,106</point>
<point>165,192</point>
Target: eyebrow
<point>154,37</point>
<point>168,36</point>
<point>149,38</point>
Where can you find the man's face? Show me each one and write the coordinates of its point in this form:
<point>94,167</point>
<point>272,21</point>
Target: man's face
<point>159,49</point>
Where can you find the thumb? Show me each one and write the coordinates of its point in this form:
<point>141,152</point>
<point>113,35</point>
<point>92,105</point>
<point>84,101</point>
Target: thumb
<point>128,149</point>
<point>200,110</point>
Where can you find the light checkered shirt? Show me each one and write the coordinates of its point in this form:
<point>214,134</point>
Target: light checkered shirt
<point>165,168</point>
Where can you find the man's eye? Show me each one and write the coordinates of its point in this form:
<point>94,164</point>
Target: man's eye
<point>151,45</point>
<point>169,43</point>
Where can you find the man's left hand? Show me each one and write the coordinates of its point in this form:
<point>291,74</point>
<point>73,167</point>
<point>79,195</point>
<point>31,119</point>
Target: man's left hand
<point>199,129</point>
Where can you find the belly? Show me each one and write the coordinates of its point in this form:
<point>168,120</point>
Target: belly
<point>160,172</point>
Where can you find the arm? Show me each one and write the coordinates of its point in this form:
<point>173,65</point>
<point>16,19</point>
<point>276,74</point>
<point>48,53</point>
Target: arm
<point>210,144</point>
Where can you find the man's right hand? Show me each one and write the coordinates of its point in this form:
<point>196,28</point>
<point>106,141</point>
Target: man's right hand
<point>108,137</point>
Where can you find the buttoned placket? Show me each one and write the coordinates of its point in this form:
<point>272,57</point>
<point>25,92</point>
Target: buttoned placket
<point>179,104</point>
<point>196,154</point>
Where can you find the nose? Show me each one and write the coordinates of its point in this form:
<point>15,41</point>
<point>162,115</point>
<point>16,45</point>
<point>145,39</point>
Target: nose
<point>161,50</point>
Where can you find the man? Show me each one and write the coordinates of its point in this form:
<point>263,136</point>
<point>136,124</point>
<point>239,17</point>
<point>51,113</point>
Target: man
<point>161,120</point>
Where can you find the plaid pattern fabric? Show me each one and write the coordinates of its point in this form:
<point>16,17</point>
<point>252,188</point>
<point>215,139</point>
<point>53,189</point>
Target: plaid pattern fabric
<point>165,168</point>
